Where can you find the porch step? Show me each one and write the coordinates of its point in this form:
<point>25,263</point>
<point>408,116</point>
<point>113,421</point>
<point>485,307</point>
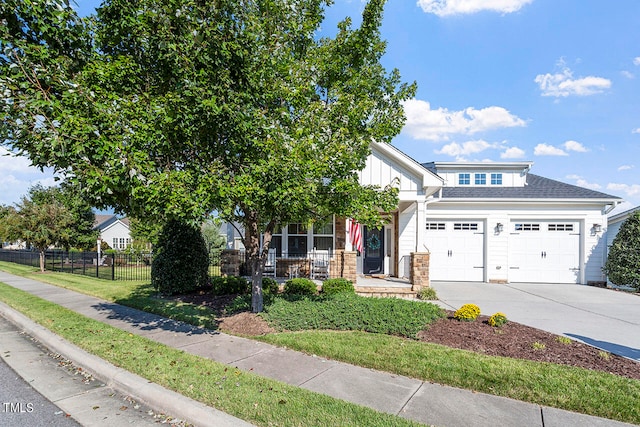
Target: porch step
<point>404,292</point>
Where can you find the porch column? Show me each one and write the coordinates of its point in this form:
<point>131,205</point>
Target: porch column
<point>419,271</point>
<point>421,219</point>
<point>343,265</point>
<point>230,262</point>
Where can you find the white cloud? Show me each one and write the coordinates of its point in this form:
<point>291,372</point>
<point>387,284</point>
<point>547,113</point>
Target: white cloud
<point>18,175</point>
<point>437,125</point>
<point>12,163</point>
<point>512,153</point>
<point>636,60</point>
<point>574,146</point>
<point>548,150</point>
<point>636,130</point>
<point>580,181</point>
<point>470,147</point>
<point>563,84</point>
<point>630,190</point>
<point>455,7</point>
<point>627,74</point>
<point>625,168</point>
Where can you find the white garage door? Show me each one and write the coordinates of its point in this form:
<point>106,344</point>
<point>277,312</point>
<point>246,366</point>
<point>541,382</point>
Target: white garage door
<point>457,250</point>
<point>544,251</point>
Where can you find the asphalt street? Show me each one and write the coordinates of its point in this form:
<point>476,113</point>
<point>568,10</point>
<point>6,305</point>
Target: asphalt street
<point>20,404</point>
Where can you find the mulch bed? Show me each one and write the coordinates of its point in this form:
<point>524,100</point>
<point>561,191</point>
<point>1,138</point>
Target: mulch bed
<point>511,340</point>
<point>524,342</point>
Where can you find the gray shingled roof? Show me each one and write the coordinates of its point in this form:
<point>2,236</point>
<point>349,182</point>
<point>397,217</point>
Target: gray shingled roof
<point>537,187</point>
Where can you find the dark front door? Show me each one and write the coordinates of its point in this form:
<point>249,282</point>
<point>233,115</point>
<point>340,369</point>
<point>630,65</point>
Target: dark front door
<point>373,259</point>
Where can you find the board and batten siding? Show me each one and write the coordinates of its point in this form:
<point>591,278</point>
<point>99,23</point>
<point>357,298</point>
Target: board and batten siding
<point>382,171</point>
<point>407,239</point>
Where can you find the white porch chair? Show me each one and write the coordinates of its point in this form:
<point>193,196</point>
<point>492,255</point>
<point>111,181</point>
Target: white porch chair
<point>320,264</point>
<point>270,264</point>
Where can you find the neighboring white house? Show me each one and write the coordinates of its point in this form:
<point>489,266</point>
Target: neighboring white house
<point>614,224</point>
<point>484,222</point>
<point>113,230</point>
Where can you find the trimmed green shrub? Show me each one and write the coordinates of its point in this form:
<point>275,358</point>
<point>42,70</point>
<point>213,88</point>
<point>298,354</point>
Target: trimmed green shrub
<point>337,286</point>
<point>428,294</point>
<point>623,261</point>
<point>300,286</point>
<point>392,316</point>
<point>230,285</point>
<point>498,319</point>
<point>467,313</point>
<point>270,286</point>
<point>181,261</point>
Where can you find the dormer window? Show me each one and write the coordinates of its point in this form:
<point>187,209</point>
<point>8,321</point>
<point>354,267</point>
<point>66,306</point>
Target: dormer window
<point>481,179</point>
<point>496,179</point>
<point>464,179</point>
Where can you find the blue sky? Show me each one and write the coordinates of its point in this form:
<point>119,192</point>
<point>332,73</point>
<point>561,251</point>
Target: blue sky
<point>556,82</point>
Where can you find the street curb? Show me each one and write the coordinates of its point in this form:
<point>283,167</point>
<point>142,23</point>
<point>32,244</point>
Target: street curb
<point>145,391</point>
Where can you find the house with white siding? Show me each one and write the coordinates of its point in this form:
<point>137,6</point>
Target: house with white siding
<point>497,222</point>
<point>114,231</point>
<point>477,221</point>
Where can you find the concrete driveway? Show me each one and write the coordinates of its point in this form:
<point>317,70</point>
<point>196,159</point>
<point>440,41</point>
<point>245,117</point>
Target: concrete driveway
<point>604,318</point>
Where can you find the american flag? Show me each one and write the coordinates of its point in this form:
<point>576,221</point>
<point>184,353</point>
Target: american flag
<point>355,234</point>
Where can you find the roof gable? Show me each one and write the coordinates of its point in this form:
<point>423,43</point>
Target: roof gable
<point>103,221</point>
<point>386,165</point>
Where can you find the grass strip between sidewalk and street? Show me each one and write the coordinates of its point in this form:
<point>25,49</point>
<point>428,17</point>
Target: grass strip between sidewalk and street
<point>256,399</point>
<point>563,387</point>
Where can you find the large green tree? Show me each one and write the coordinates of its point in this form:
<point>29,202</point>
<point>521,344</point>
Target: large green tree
<point>81,234</point>
<point>623,261</point>
<point>41,220</point>
<point>177,108</point>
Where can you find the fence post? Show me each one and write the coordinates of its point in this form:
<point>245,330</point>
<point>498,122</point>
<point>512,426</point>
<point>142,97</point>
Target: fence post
<point>113,266</point>
<point>97,264</point>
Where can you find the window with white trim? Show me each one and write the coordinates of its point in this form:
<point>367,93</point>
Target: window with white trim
<point>323,235</point>
<point>472,226</point>
<point>297,240</point>
<point>464,179</point>
<point>481,179</point>
<point>527,227</point>
<point>496,179</point>
<point>560,227</point>
<point>435,226</point>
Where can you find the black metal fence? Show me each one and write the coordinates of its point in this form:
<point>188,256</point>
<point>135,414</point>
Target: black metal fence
<point>137,266</point>
<point>110,266</point>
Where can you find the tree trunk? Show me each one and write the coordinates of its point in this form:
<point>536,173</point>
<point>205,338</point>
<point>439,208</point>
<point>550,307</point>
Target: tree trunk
<point>252,247</point>
<point>42,261</point>
<point>257,254</point>
<point>257,298</point>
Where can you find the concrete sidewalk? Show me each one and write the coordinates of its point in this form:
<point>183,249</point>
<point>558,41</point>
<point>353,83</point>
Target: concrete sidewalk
<point>410,398</point>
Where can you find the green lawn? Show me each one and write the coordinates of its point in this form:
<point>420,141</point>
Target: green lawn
<point>563,387</point>
<point>256,399</point>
